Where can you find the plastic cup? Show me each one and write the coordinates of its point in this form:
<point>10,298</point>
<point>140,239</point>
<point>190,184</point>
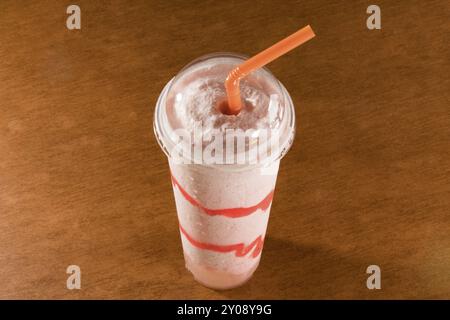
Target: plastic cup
<point>223,209</point>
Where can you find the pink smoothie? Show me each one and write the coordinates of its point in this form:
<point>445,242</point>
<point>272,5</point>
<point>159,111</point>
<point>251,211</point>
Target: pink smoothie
<point>223,209</point>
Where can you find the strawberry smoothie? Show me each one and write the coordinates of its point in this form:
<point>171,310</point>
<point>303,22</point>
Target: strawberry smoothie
<point>223,206</point>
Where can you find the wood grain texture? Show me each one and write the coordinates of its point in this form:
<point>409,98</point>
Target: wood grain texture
<point>83,181</point>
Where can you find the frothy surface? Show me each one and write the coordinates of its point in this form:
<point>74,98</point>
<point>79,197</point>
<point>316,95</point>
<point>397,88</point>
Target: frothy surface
<point>197,97</point>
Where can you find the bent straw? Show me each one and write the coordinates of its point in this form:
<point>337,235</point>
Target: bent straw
<point>260,60</point>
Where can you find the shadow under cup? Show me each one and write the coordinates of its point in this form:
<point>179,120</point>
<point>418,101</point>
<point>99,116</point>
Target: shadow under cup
<point>223,209</point>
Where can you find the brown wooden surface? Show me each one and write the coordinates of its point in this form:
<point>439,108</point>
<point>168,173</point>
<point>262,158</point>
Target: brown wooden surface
<point>83,181</point>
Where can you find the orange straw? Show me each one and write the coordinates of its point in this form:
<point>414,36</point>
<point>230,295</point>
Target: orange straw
<point>258,61</point>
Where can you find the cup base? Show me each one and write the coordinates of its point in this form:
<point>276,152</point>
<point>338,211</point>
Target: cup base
<point>216,279</point>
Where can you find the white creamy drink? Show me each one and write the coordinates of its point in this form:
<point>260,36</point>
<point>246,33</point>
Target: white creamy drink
<point>223,203</point>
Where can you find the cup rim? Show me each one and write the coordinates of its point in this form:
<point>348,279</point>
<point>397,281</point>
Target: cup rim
<point>163,136</point>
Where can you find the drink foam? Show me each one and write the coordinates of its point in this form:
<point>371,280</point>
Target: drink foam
<point>197,97</point>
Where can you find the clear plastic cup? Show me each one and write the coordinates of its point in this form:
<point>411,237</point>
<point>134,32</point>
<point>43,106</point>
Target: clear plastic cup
<point>223,208</point>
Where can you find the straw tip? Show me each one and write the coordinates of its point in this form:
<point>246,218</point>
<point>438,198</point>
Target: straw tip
<point>310,30</point>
